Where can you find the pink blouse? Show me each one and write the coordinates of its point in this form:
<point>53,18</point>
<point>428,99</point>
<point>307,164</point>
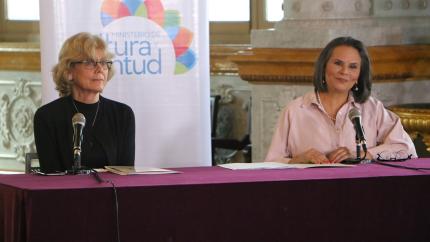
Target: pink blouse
<point>303,124</point>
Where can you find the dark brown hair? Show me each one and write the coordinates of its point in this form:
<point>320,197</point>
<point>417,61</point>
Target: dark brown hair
<point>364,82</point>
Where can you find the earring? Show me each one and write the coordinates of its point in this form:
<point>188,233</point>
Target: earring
<point>323,81</point>
<point>356,87</point>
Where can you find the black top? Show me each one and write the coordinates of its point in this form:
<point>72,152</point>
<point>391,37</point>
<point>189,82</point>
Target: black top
<point>111,141</point>
<point>92,153</point>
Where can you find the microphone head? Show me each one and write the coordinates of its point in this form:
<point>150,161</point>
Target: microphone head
<point>354,113</point>
<point>78,118</point>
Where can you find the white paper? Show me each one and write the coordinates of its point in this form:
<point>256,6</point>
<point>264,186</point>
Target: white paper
<point>135,170</point>
<point>11,172</point>
<point>276,165</point>
<point>256,165</point>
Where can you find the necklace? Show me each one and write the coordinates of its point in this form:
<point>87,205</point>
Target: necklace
<point>325,112</point>
<point>97,110</point>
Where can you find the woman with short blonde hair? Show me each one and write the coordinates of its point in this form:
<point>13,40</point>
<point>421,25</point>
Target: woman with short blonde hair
<point>82,46</point>
<point>84,67</point>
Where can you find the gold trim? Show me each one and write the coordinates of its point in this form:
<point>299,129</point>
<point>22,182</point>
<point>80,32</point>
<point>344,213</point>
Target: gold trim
<point>389,63</point>
<point>20,56</point>
<point>26,57</point>
<point>415,119</point>
<point>220,64</point>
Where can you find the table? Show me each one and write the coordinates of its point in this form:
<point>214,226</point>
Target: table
<point>368,202</point>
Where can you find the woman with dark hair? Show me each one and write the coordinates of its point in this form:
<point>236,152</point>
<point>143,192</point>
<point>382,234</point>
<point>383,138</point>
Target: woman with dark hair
<point>84,68</point>
<point>315,128</point>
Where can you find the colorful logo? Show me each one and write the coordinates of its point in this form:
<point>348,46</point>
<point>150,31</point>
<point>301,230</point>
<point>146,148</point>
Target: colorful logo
<point>169,20</point>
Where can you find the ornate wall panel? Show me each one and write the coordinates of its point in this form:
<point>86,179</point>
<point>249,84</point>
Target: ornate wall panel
<point>19,99</point>
<point>20,96</point>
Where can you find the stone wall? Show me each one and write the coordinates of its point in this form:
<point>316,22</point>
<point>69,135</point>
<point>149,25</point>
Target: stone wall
<point>313,23</point>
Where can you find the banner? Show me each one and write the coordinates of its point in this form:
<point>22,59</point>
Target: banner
<point>161,66</point>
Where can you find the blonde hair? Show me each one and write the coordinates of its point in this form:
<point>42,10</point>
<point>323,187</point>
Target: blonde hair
<point>81,46</point>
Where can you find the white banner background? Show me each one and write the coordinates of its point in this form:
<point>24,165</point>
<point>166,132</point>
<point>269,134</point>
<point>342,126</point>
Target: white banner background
<point>172,109</point>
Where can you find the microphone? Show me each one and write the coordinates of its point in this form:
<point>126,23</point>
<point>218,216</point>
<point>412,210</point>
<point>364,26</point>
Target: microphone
<point>78,122</point>
<point>355,116</point>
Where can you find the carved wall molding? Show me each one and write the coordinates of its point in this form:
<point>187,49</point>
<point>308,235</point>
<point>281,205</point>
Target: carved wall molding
<point>415,119</point>
<point>277,78</point>
<point>26,57</point>
<point>225,92</point>
<point>20,56</point>
<point>393,63</point>
<point>326,9</point>
<point>16,119</point>
<point>220,64</point>
<point>422,4</point>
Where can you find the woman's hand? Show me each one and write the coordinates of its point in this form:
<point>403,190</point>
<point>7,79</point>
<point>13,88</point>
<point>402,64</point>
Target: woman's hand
<point>310,156</point>
<point>339,154</point>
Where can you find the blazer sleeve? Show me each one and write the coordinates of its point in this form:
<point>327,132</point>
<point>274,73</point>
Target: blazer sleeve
<point>47,147</point>
<point>127,148</point>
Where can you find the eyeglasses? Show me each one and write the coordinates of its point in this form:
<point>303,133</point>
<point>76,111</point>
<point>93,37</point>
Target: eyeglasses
<point>394,156</point>
<point>92,64</point>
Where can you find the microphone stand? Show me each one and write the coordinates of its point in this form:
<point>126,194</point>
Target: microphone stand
<point>77,168</point>
<point>76,160</point>
<point>358,158</point>
<point>358,147</point>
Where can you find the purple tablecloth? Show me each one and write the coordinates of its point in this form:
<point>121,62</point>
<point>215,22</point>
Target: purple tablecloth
<point>365,203</point>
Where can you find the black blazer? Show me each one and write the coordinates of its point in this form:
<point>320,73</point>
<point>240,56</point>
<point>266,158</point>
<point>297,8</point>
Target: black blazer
<point>53,133</point>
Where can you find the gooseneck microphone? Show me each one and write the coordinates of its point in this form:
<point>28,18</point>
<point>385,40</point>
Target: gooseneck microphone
<point>78,122</point>
<point>355,116</point>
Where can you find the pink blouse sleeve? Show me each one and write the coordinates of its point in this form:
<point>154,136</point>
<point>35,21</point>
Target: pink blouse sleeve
<point>278,148</point>
<point>391,137</point>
